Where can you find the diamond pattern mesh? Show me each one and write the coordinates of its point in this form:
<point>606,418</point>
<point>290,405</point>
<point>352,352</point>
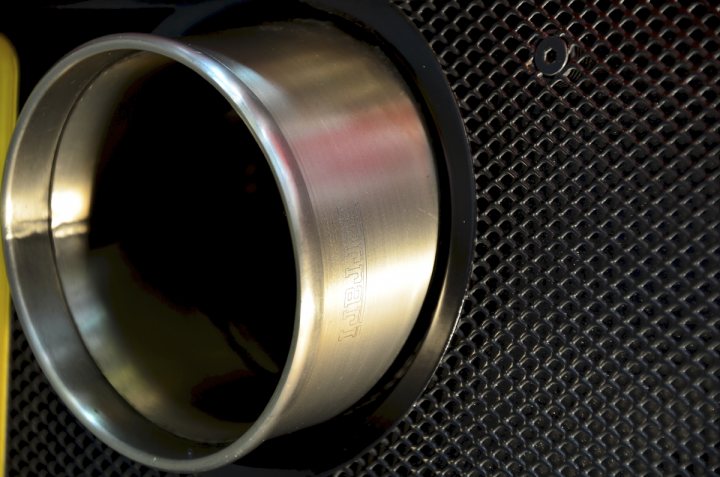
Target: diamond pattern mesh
<point>589,342</point>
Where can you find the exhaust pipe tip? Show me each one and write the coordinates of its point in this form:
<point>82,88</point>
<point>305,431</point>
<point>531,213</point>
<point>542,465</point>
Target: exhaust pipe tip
<point>161,194</point>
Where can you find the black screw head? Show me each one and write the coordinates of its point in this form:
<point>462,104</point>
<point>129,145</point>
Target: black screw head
<point>551,56</point>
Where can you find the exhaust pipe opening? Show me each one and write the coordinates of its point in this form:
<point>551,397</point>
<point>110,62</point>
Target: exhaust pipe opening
<point>144,263</point>
<point>144,169</point>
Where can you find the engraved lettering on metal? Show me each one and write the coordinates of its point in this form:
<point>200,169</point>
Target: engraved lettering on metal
<point>353,240</point>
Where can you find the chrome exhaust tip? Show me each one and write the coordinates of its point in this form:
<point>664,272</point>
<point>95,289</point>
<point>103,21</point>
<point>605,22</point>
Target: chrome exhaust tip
<point>217,240</point>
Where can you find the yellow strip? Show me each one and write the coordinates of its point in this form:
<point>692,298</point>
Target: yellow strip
<point>8,111</point>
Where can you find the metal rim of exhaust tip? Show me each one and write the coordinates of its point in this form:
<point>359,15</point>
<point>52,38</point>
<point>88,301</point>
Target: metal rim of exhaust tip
<point>38,223</point>
<point>378,23</point>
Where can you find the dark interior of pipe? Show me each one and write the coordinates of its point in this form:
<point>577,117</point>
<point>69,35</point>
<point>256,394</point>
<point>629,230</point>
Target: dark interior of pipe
<point>186,204</point>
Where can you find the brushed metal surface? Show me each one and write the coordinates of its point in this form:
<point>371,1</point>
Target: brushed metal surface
<point>354,170</point>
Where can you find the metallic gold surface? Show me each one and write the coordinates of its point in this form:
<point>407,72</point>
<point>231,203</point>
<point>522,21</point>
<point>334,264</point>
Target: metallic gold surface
<point>8,111</point>
<point>120,304</point>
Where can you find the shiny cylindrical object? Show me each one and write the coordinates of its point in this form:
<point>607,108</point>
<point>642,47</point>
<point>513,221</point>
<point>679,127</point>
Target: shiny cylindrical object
<point>216,240</point>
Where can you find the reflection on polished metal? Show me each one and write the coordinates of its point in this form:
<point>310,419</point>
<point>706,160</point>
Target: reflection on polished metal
<point>216,240</point>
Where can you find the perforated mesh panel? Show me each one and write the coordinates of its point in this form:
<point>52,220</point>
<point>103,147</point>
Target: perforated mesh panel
<point>589,343</point>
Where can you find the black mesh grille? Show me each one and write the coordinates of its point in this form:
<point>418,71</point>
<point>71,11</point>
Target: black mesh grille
<point>589,342</point>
